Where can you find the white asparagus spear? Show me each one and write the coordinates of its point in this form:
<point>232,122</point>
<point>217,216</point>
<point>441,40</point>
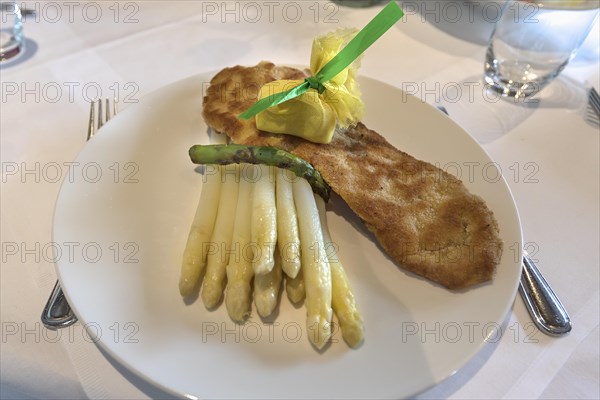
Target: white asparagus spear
<point>239,269</point>
<point>194,255</point>
<point>343,301</point>
<point>294,287</point>
<point>264,220</point>
<point>217,260</point>
<point>266,289</point>
<point>288,239</point>
<point>317,274</point>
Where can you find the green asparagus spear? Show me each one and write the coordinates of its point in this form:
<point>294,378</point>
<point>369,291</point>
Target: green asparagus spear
<point>236,154</point>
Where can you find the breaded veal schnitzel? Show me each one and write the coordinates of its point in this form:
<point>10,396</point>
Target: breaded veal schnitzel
<point>424,218</point>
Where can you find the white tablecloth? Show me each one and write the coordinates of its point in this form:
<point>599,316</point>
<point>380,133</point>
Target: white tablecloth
<point>548,151</point>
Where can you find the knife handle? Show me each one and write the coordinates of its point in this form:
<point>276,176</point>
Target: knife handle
<point>58,313</point>
<point>543,305</point>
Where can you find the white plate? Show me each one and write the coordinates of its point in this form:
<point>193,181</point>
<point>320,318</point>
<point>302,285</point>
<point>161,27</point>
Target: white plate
<point>128,207</point>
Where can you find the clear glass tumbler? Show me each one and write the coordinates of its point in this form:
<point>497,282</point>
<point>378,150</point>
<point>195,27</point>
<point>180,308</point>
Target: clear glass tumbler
<point>11,30</point>
<point>533,41</point>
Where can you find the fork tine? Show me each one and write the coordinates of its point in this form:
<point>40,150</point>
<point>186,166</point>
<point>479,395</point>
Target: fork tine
<point>100,122</point>
<point>594,99</point>
<point>107,106</point>
<point>91,130</point>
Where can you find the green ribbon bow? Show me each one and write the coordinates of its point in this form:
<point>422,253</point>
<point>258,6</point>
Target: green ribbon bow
<point>361,42</point>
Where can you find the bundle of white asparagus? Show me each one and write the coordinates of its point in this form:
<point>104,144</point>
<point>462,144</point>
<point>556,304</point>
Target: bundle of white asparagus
<point>256,225</point>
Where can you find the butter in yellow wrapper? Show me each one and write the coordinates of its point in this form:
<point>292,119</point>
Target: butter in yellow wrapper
<point>313,115</point>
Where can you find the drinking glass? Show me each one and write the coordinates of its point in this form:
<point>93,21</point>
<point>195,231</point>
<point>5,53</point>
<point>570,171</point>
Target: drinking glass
<point>533,41</point>
<point>11,30</point>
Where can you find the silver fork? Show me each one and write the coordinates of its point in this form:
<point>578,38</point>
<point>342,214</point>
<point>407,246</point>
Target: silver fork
<point>57,312</point>
<point>594,102</point>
